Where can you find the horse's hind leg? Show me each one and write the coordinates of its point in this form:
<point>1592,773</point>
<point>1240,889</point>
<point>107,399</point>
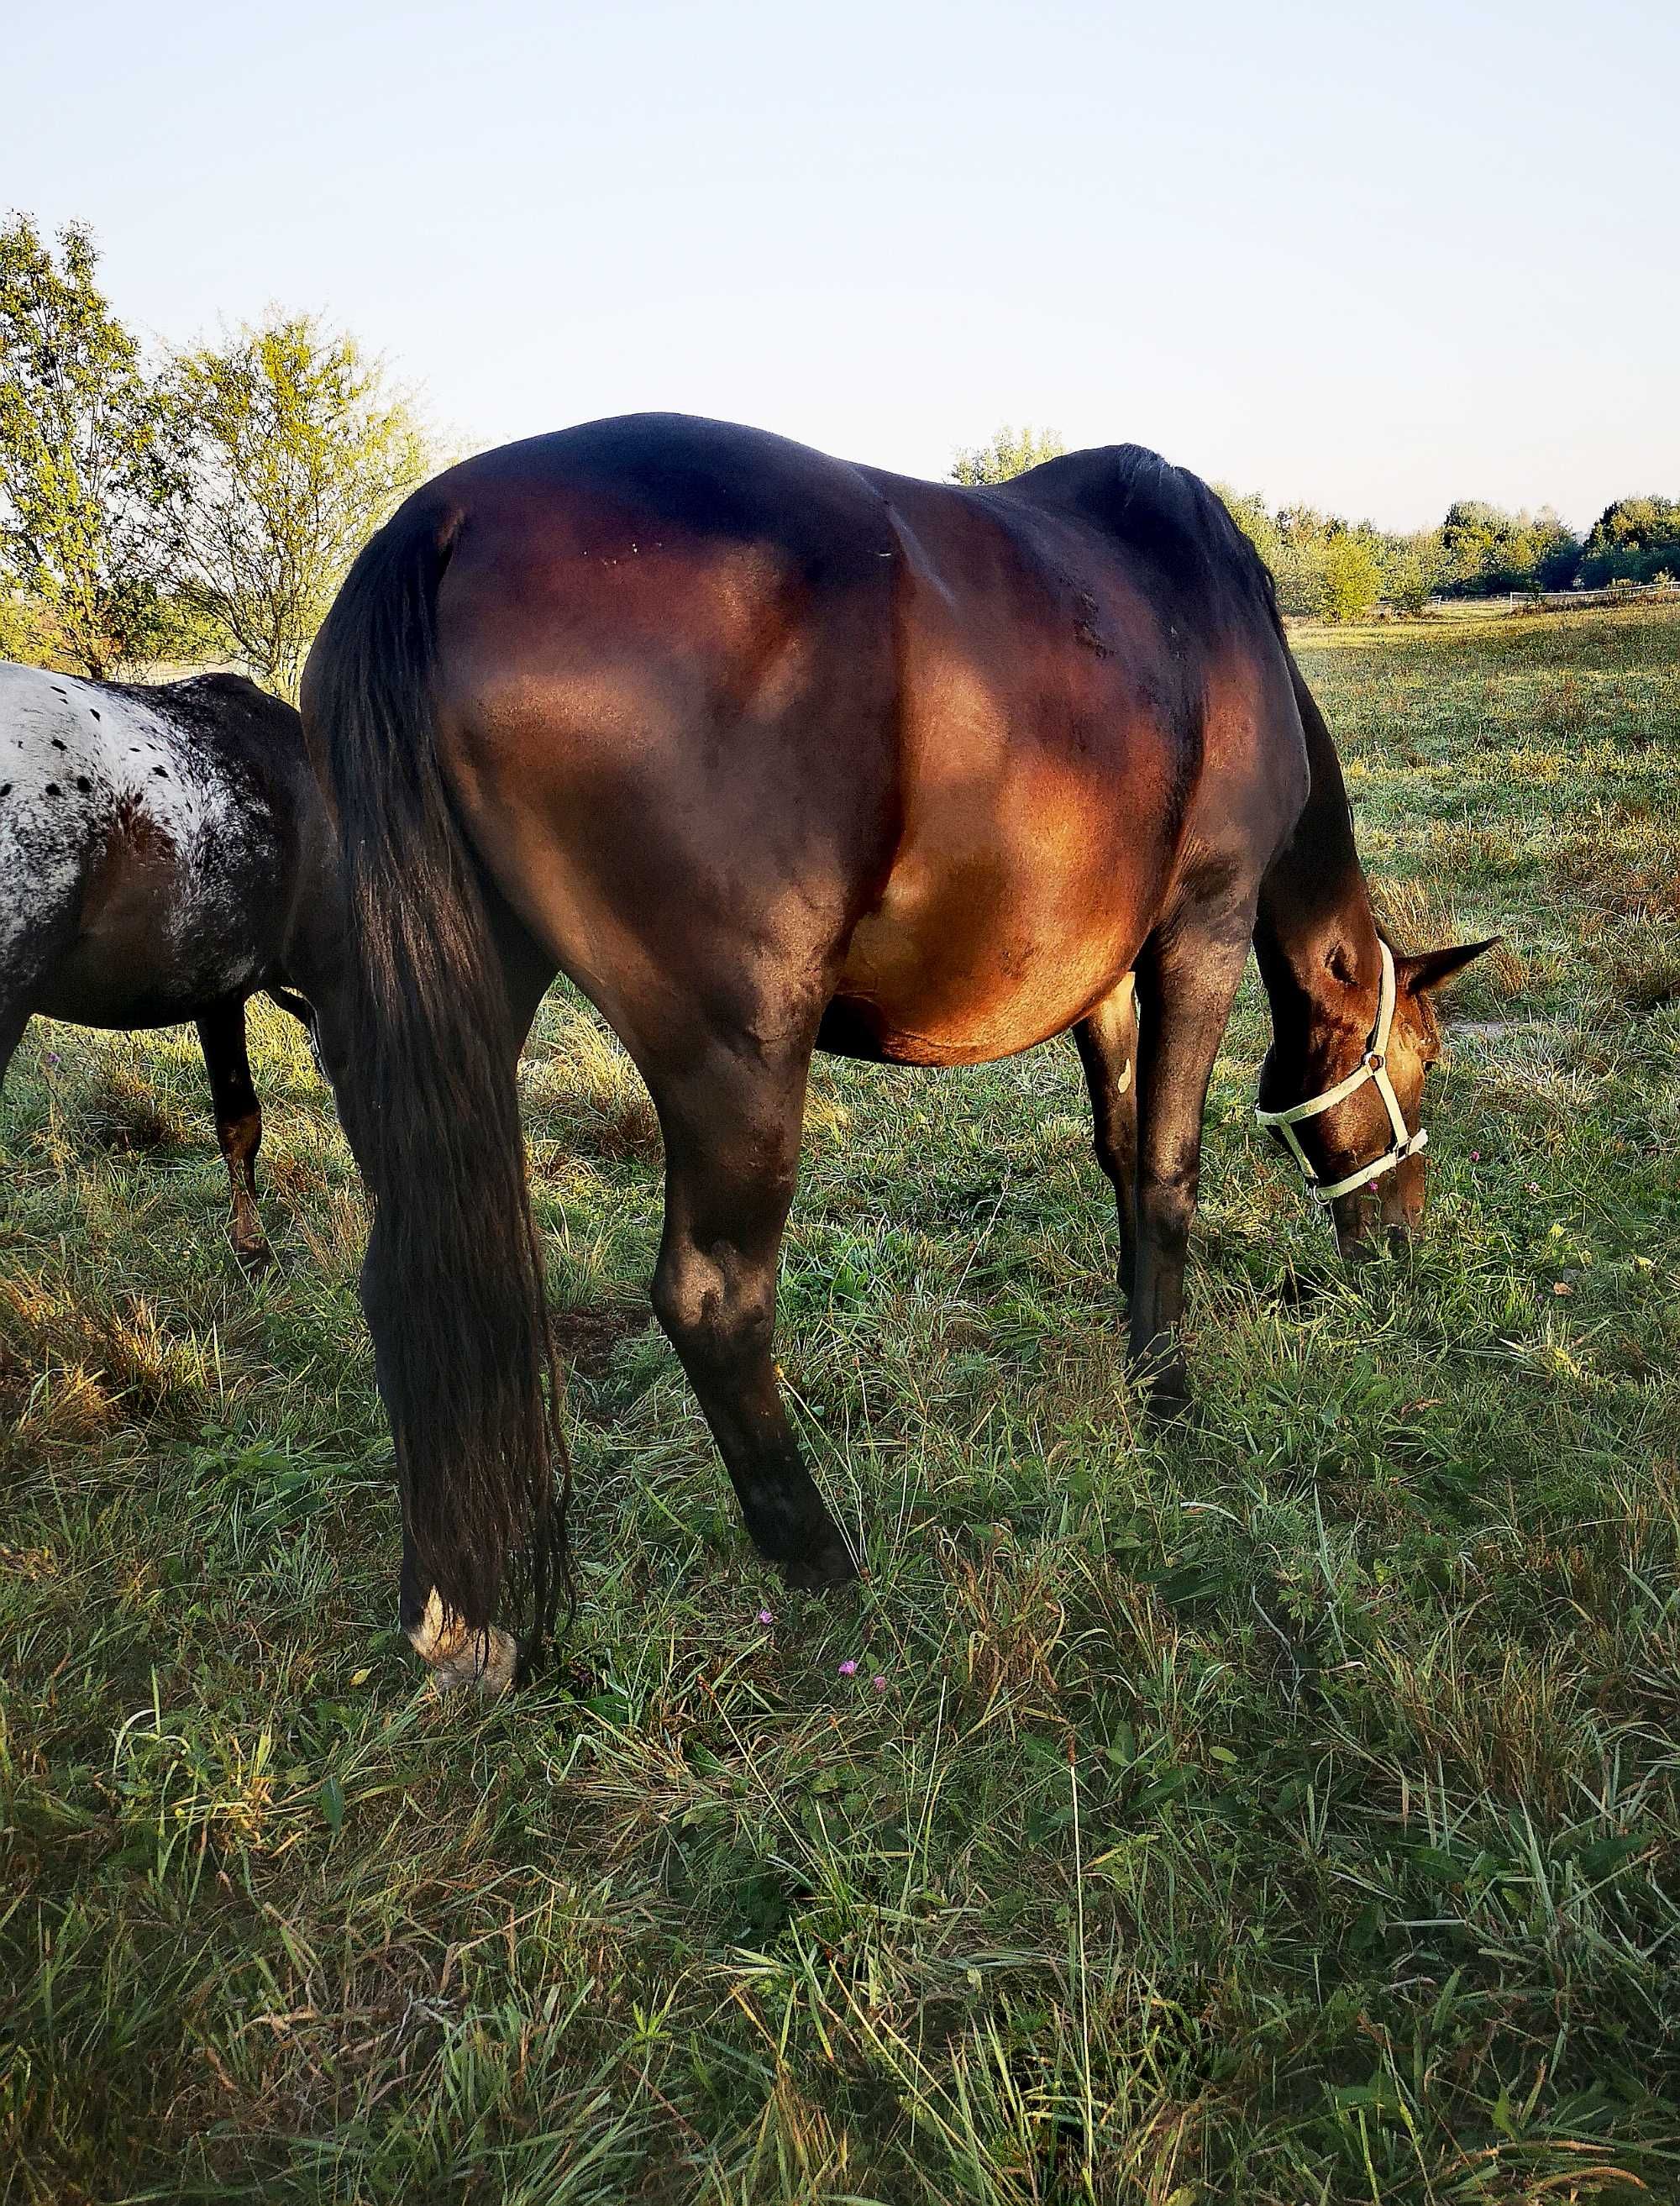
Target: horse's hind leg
<point>456,1655</point>
<point>1107,1040</point>
<point>731,1119</point>
<point>13,1017</point>
<point>239,1122</point>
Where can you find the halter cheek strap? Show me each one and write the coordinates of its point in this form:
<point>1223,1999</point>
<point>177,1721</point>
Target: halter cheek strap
<point>1373,1067</point>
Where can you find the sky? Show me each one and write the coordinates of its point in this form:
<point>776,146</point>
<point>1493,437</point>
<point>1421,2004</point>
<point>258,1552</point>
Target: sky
<point>1369,258</point>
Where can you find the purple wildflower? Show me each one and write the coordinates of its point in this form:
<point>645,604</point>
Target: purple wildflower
<point>848,1669</point>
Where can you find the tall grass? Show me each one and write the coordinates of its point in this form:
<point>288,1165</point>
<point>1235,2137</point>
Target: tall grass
<point>1281,1809</point>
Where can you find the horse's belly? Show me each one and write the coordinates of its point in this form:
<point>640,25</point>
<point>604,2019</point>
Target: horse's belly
<point>165,932</point>
<point>980,964</point>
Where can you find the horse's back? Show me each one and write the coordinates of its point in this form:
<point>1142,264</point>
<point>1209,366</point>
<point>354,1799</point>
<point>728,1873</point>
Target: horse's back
<point>712,703</point>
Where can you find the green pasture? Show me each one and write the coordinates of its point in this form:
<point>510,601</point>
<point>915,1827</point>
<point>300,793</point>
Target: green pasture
<point>1285,1807</point>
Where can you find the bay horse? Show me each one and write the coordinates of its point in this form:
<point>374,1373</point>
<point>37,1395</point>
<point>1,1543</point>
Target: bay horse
<point>770,753</point>
<point>164,855</point>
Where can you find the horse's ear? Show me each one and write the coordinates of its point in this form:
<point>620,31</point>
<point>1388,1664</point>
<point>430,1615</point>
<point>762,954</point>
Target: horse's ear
<point>1433,968</point>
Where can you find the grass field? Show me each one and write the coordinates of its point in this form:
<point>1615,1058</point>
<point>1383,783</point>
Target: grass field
<point>1287,1809</point>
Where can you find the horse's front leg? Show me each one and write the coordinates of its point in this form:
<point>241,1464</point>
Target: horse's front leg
<point>1187,982</point>
<point>239,1122</point>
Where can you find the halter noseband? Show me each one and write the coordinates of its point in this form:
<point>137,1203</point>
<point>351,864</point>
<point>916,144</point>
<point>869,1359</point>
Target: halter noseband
<point>1375,1068</point>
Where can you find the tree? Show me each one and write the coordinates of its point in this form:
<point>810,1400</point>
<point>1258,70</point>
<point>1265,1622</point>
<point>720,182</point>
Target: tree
<point>89,463</point>
<point>1485,549</point>
<point>1408,585</point>
<point>1352,579</point>
<point>1632,540</point>
<point>301,450</point>
<point>1010,453</point>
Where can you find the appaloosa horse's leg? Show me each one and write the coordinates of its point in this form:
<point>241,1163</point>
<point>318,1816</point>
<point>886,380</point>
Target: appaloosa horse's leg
<point>239,1122</point>
<point>1188,980</point>
<point>1107,1041</point>
<point>731,1117</point>
<point>13,1017</point>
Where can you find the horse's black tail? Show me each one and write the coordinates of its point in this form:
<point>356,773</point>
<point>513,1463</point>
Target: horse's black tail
<point>453,1283</point>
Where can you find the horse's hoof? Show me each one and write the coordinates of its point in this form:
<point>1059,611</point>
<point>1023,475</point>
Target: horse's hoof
<point>1166,1394</point>
<point>489,1669</point>
<point>831,1565</point>
<point>458,1656</point>
<point>254,1256</point>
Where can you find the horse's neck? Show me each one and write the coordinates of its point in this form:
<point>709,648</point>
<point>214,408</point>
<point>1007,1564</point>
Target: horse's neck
<point>1315,935</point>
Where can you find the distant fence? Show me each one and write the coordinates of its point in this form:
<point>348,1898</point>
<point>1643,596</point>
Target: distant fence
<point>1617,593</point>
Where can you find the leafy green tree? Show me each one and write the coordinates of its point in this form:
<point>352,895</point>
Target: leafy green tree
<point>1408,585</point>
<point>1485,549</point>
<point>1632,540</point>
<point>89,463</point>
<point>1470,536</point>
<point>1301,546</point>
<point>301,449</point>
<point>1352,579</point>
<point>1010,453</point>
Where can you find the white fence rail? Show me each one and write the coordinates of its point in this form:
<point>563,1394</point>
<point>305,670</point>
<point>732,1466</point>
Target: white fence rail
<point>1616,594</point>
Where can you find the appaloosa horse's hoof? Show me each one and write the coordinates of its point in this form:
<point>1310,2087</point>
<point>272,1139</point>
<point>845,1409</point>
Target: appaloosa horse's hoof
<point>254,1256</point>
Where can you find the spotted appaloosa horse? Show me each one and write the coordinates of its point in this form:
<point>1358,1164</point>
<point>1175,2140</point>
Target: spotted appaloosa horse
<point>771,752</point>
<point>163,853</point>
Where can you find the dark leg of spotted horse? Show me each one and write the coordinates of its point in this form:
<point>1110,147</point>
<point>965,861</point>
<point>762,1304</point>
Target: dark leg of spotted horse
<point>13,1017</point>
<point>239,1122</point>
<point>1107,1042</point>
<point>731,1111</point>
<point>1188,979</point>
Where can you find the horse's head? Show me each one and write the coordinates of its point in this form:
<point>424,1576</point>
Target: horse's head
<point>1356,1128</point>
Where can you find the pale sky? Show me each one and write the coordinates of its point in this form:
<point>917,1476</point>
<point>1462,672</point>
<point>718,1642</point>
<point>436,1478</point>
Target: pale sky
<point>1372,257</point>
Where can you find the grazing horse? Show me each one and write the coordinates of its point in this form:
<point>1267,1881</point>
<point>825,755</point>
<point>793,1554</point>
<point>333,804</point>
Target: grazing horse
<point>163,853</point>
<point>770,753</point>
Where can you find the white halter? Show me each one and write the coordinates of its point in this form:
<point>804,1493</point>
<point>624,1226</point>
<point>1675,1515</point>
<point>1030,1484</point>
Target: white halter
<point>1373,1067</point>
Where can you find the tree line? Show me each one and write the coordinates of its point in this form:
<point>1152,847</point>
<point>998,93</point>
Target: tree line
<point>197,505</point>
<point>1329,569</point>
<point>203,505</point>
